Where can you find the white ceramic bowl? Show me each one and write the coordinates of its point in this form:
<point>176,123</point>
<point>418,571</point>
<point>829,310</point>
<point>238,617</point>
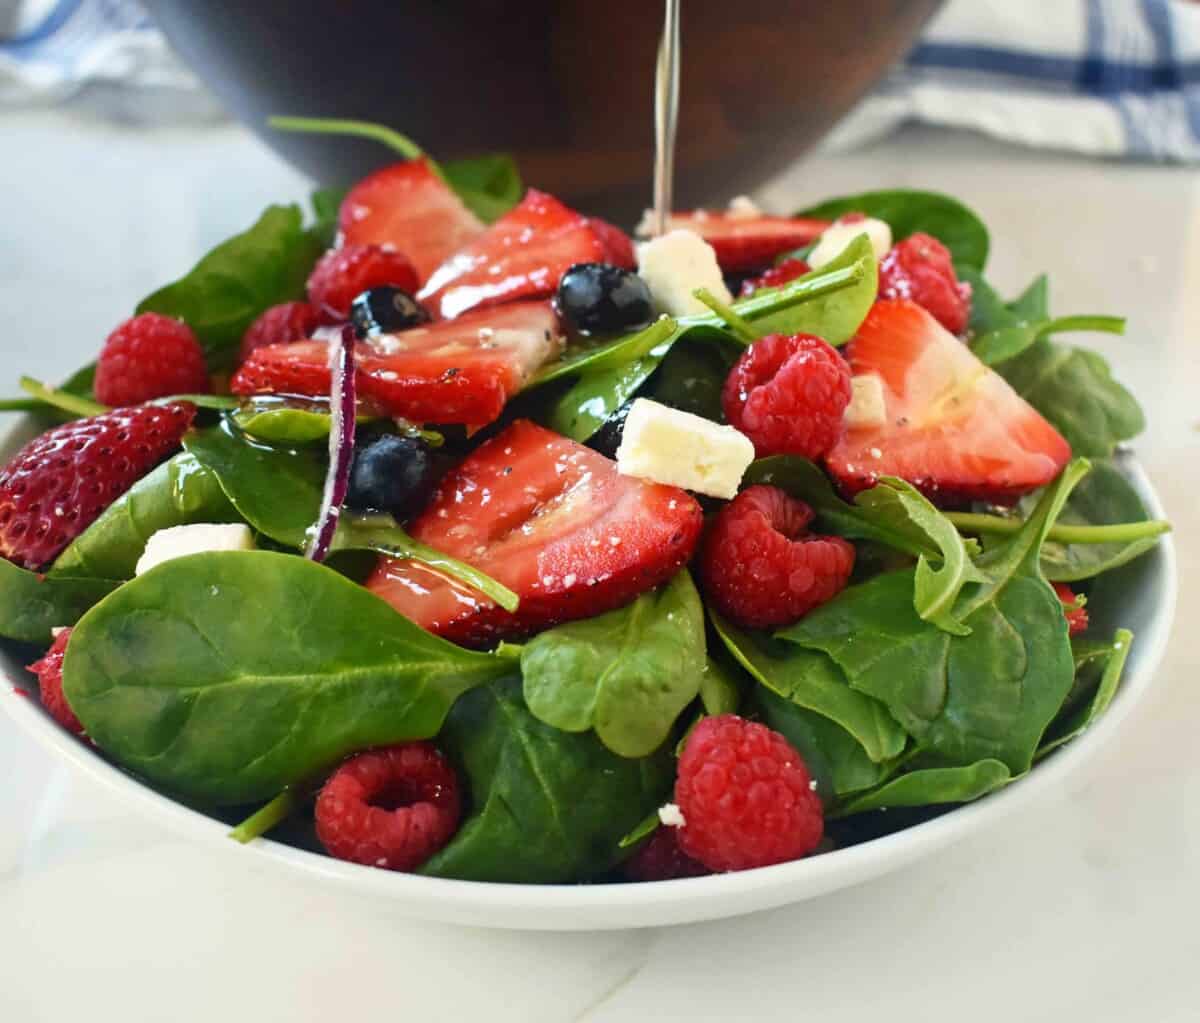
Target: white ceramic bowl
<point>1148,608</point>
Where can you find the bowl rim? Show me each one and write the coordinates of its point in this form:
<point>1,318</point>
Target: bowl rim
<point>645,904</point>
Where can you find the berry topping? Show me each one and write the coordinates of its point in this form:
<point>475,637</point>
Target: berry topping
<point>291,321</point>
<point>459,371</point>
<point>747,242</point>
<point>746,796</point>
<point>1073,608</point>
<point>392,808</point>
<point>953,428</point>
<point>761,567</point>
<point>343,273</point>
<point>408,206</point>
<point>149,356</point>
<point>59,483</point>
<point>384,310</point>
<point>788,395</point>
<point>390,474</point>
<point>50,684</point>
<point>786,270</point>
<point>522,255</point>
<point>597,298</point>
<point>661,859</point>
<point>551,520</point>
<point>617,245</point>
<point>920,268</point>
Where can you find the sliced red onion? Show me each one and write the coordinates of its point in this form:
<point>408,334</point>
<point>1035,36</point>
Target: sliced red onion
<point>341,443</point>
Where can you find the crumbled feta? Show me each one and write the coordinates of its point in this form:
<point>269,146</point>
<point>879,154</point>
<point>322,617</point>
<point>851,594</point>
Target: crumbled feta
<point>198,538</point>
<point>674,265</point>
<point>841,233</point>
<point>668,446</point>
<point>671,816</point>
<point>867,407</point>
<point>742,207</point>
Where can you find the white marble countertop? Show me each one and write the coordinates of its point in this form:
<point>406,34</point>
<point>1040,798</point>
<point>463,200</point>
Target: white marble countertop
<point>1078,910</point>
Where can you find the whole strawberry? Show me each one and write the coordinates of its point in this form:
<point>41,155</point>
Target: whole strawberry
<point>50,684</point>
<point>59,483</point>
<point>150,356</point>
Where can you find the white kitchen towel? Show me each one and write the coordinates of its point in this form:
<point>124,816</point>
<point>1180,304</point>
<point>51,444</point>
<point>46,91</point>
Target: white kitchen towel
<point>1104,77</point>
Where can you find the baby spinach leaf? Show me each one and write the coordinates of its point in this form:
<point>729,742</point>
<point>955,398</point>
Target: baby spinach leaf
<point>326,202</point>
<point>988,310</point>
<point>691,378</point>
<point>930,786</point>
<point>1079,720</point>
<point>1005,343</point>
<point>987,695</point>
<point>31,604</point>
<point>182,678</point>
<point>627,674</point>
<point>813,681</point>
<point>221,296</point>
<point>490,185</point>
<point>648,825</point>
<point>909,211</point>
<point>283,424</point>
<point>547,806</point>
<point>178,492</point>
<point>720,688</point>
<point>1034,302</point>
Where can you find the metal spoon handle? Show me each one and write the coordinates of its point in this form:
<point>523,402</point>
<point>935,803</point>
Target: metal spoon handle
<point>666,115</point>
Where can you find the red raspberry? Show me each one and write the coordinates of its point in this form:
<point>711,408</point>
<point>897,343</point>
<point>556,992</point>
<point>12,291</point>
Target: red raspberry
<point>920,268</point>
<point>59,483</point>
<point>661,859</point>
<point>342,274</point>
<point>788,395</point>
<point>392,807</point>
<point>291,321</point>
<point>150,356</point>
<point>49,675</point>
<point>784,271</point>
<point>746,796</point>
<point>1076,614</point>
<point>761,568</point>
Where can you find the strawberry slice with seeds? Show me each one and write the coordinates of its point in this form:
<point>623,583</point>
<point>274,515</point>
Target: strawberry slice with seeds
<point>550,519</point>
<point>456,371</point>
<point>59,483</point>
<point>953,428</point>
<point>522,255</point>
<point>407,206</point>
<point>748,242</point>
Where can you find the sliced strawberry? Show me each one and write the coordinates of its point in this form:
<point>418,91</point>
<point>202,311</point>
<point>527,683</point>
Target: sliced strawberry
<point>522,255</point>
<point>747,243</point>
<point>407,206</point>
<point>459,371</point>
<point>953,428</point>
<point>618,246</point>
<point>552,520</point>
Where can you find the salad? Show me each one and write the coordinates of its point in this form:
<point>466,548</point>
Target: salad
<point>452,530</point>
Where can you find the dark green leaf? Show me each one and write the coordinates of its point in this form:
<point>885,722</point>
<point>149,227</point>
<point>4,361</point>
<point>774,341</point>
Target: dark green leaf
<point>720,688</point>
<point>181,677</point>
<point>909,211</point>
<point>178,492</point>
<point>221,296</point>
<point>931,786</point>
<point>547,806</point>
<point>326,202</point>
<point>646,827</point>
<point>691,377</point>
<point>31,604</point>
<point>1006,343</point>
<point>627,674</point>
<point>490,185</point>
<point>1110,679</point>
<point>1034,302</point>
<point>988,310</point>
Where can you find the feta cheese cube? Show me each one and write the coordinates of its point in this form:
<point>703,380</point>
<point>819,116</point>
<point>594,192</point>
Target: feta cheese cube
<point>742,207</point>
<point>665,445</point>
<point>841,233</point>
<point>178,541</point>
<point>674,265</point>
<point>671,816</point>
<point>867,407</point>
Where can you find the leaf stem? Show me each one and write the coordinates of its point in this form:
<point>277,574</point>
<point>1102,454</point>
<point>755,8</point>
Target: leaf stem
<point>267,817</point>
<point>402,144</point>
<point>1106,324</point>
<point>1061,532</point>
<point>737,325</point>
<point>20,404</point>
<point>72,403</point>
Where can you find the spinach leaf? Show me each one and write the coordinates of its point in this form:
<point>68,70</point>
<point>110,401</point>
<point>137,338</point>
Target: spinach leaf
<point>178,492</point>
<point>908,211</point>
<point>987,695</point>
<point>930,786</point>
<point>1080,719</point>
<point>547,806</point>
<point>283,425</point>
<point>894,513</point>
<point>221,296</point>
<point>720,688</point>
<point>181,677</point>
<point>31,604</point>
<point>691,378</point>
<point>988,310</point>
<point>626,674</point>
<point>326,203</point>
<point>1074,389</point>
<point>490,185</point>
<point>1034,302</point>
<point>811,680</point>
<point>1005,343</point>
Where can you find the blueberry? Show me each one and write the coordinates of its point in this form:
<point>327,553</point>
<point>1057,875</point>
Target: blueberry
<point>600,298</point>
<point>384,310</point>
<point>390,474</point>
